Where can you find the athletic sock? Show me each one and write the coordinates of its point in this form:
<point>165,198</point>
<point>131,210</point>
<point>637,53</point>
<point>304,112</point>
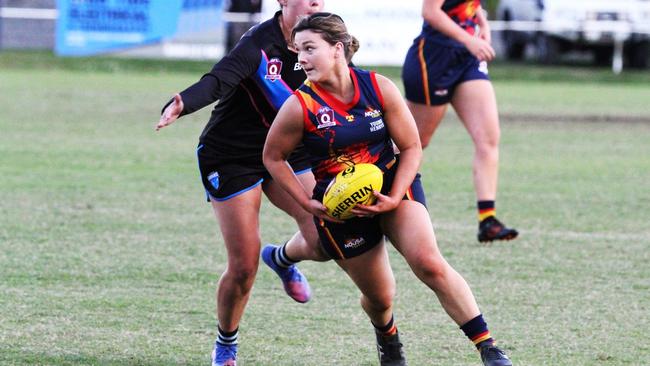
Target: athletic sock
<point>227,338</point>
<point>388,329</point>
<point>477,331</point>
<point>485,210</point>
<point>281,258</point>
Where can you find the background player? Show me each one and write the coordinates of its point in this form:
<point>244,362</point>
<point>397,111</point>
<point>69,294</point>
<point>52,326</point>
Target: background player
<point>251,83</point>
<point>447,63</point>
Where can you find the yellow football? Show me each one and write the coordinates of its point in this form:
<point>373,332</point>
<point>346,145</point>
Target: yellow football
<point>352,186</point>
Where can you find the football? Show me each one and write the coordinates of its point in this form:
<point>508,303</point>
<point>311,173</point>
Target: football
<point>352,186</point>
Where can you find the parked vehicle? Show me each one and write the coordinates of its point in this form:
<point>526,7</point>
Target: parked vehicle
<point>593,25</point>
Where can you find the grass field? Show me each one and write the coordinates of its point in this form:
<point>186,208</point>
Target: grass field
<point>109,254</point>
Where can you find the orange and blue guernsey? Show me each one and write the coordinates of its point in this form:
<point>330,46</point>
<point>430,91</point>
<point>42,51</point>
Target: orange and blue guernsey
<point>338,135</point>
<point>463,12</point>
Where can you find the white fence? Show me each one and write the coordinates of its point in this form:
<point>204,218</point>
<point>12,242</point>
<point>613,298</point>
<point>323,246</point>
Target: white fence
<point>385,30</point>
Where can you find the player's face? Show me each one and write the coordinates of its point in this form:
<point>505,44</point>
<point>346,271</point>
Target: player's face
<point>317,57</point>
<point>296,9</point>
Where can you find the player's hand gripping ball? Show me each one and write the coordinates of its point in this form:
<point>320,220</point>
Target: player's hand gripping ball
<point>350,187</point>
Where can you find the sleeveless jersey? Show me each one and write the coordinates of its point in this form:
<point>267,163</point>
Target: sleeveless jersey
<point>338,135</point>
<point>463,12</point>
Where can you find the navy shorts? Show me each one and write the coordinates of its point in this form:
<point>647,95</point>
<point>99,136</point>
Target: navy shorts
<point>225,177</point>
<point>432,71</point>
<point>360,234</point>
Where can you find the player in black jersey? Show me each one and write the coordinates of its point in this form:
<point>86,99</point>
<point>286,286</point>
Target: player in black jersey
<point>447,63</point>
<point>250,83</point>
<point>346,116</point>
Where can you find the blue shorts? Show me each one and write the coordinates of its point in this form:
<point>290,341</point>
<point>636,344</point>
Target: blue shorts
<point>432,71</point>
<point>360,234</point>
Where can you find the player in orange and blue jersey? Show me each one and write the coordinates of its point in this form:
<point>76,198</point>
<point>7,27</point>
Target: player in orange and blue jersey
<point>338,135</point>
<point>447,63</point>
<point>345,116</point>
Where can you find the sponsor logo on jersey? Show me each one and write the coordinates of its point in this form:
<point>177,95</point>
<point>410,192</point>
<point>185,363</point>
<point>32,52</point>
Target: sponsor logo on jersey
<point>273,69</point>
<point>354,243</point>
<point>325,117</point>
<point>349,118</point>
<point>376,125</point>
<point>372,113</point>
<point>482,67</point>
<point>297,66</point>
<point>441,92</point>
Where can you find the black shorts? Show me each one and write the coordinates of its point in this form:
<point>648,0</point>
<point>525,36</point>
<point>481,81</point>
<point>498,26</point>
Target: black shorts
<point>360,234</point>
<point>225,177</point>
<point>432,71</point>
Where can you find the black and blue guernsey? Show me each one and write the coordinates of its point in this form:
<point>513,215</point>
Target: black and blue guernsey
<point>251,83</point>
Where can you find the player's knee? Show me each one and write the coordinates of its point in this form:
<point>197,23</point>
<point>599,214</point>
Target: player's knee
<point>319,254</point>
<point>432,271</point>
<point>243,274</point>
<point>379,302</point>
<point>488,139</point>
<point>488,147</point>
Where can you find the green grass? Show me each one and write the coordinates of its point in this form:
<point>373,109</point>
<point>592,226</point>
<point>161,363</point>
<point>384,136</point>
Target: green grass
<point>499,70</point>
<point>109,254</point>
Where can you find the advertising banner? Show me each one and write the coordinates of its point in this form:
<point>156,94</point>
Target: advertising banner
<point>86,27</point>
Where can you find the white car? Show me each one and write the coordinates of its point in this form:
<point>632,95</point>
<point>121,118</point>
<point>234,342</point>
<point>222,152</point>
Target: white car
<point>578,24</point>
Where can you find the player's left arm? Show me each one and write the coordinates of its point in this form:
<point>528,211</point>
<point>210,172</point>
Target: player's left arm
<point>402,129</point>
<point>484,25</point>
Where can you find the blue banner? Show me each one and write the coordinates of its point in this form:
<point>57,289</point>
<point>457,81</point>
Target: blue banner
<point>86,27</point>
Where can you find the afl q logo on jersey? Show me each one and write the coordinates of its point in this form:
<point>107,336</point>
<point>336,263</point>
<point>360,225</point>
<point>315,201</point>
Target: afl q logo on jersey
<point>273,69</point>
<point>325,117</point>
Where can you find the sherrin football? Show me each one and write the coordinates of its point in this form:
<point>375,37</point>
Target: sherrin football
<point>352,186</point>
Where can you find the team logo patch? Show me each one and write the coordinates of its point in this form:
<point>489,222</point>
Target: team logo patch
<point>482,67</point>
<point>213,178</point>
<point>273,69</point>
<point>325,117</point>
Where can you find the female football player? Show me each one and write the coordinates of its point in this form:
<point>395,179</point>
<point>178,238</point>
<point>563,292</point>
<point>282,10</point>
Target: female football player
<point>345,116</point>
<point>251,83</point>
<point>447,63</point>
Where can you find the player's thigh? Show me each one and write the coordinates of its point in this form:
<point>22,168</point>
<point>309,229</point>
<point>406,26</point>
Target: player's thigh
<point>475,104</point>
<point>427,118</point>
<point>238,219</point>
<point>372,274</point>
<point>410,230</point>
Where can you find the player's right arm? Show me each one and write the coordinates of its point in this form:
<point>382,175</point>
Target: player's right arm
<point>285,134</point>
<point>434,15</point>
